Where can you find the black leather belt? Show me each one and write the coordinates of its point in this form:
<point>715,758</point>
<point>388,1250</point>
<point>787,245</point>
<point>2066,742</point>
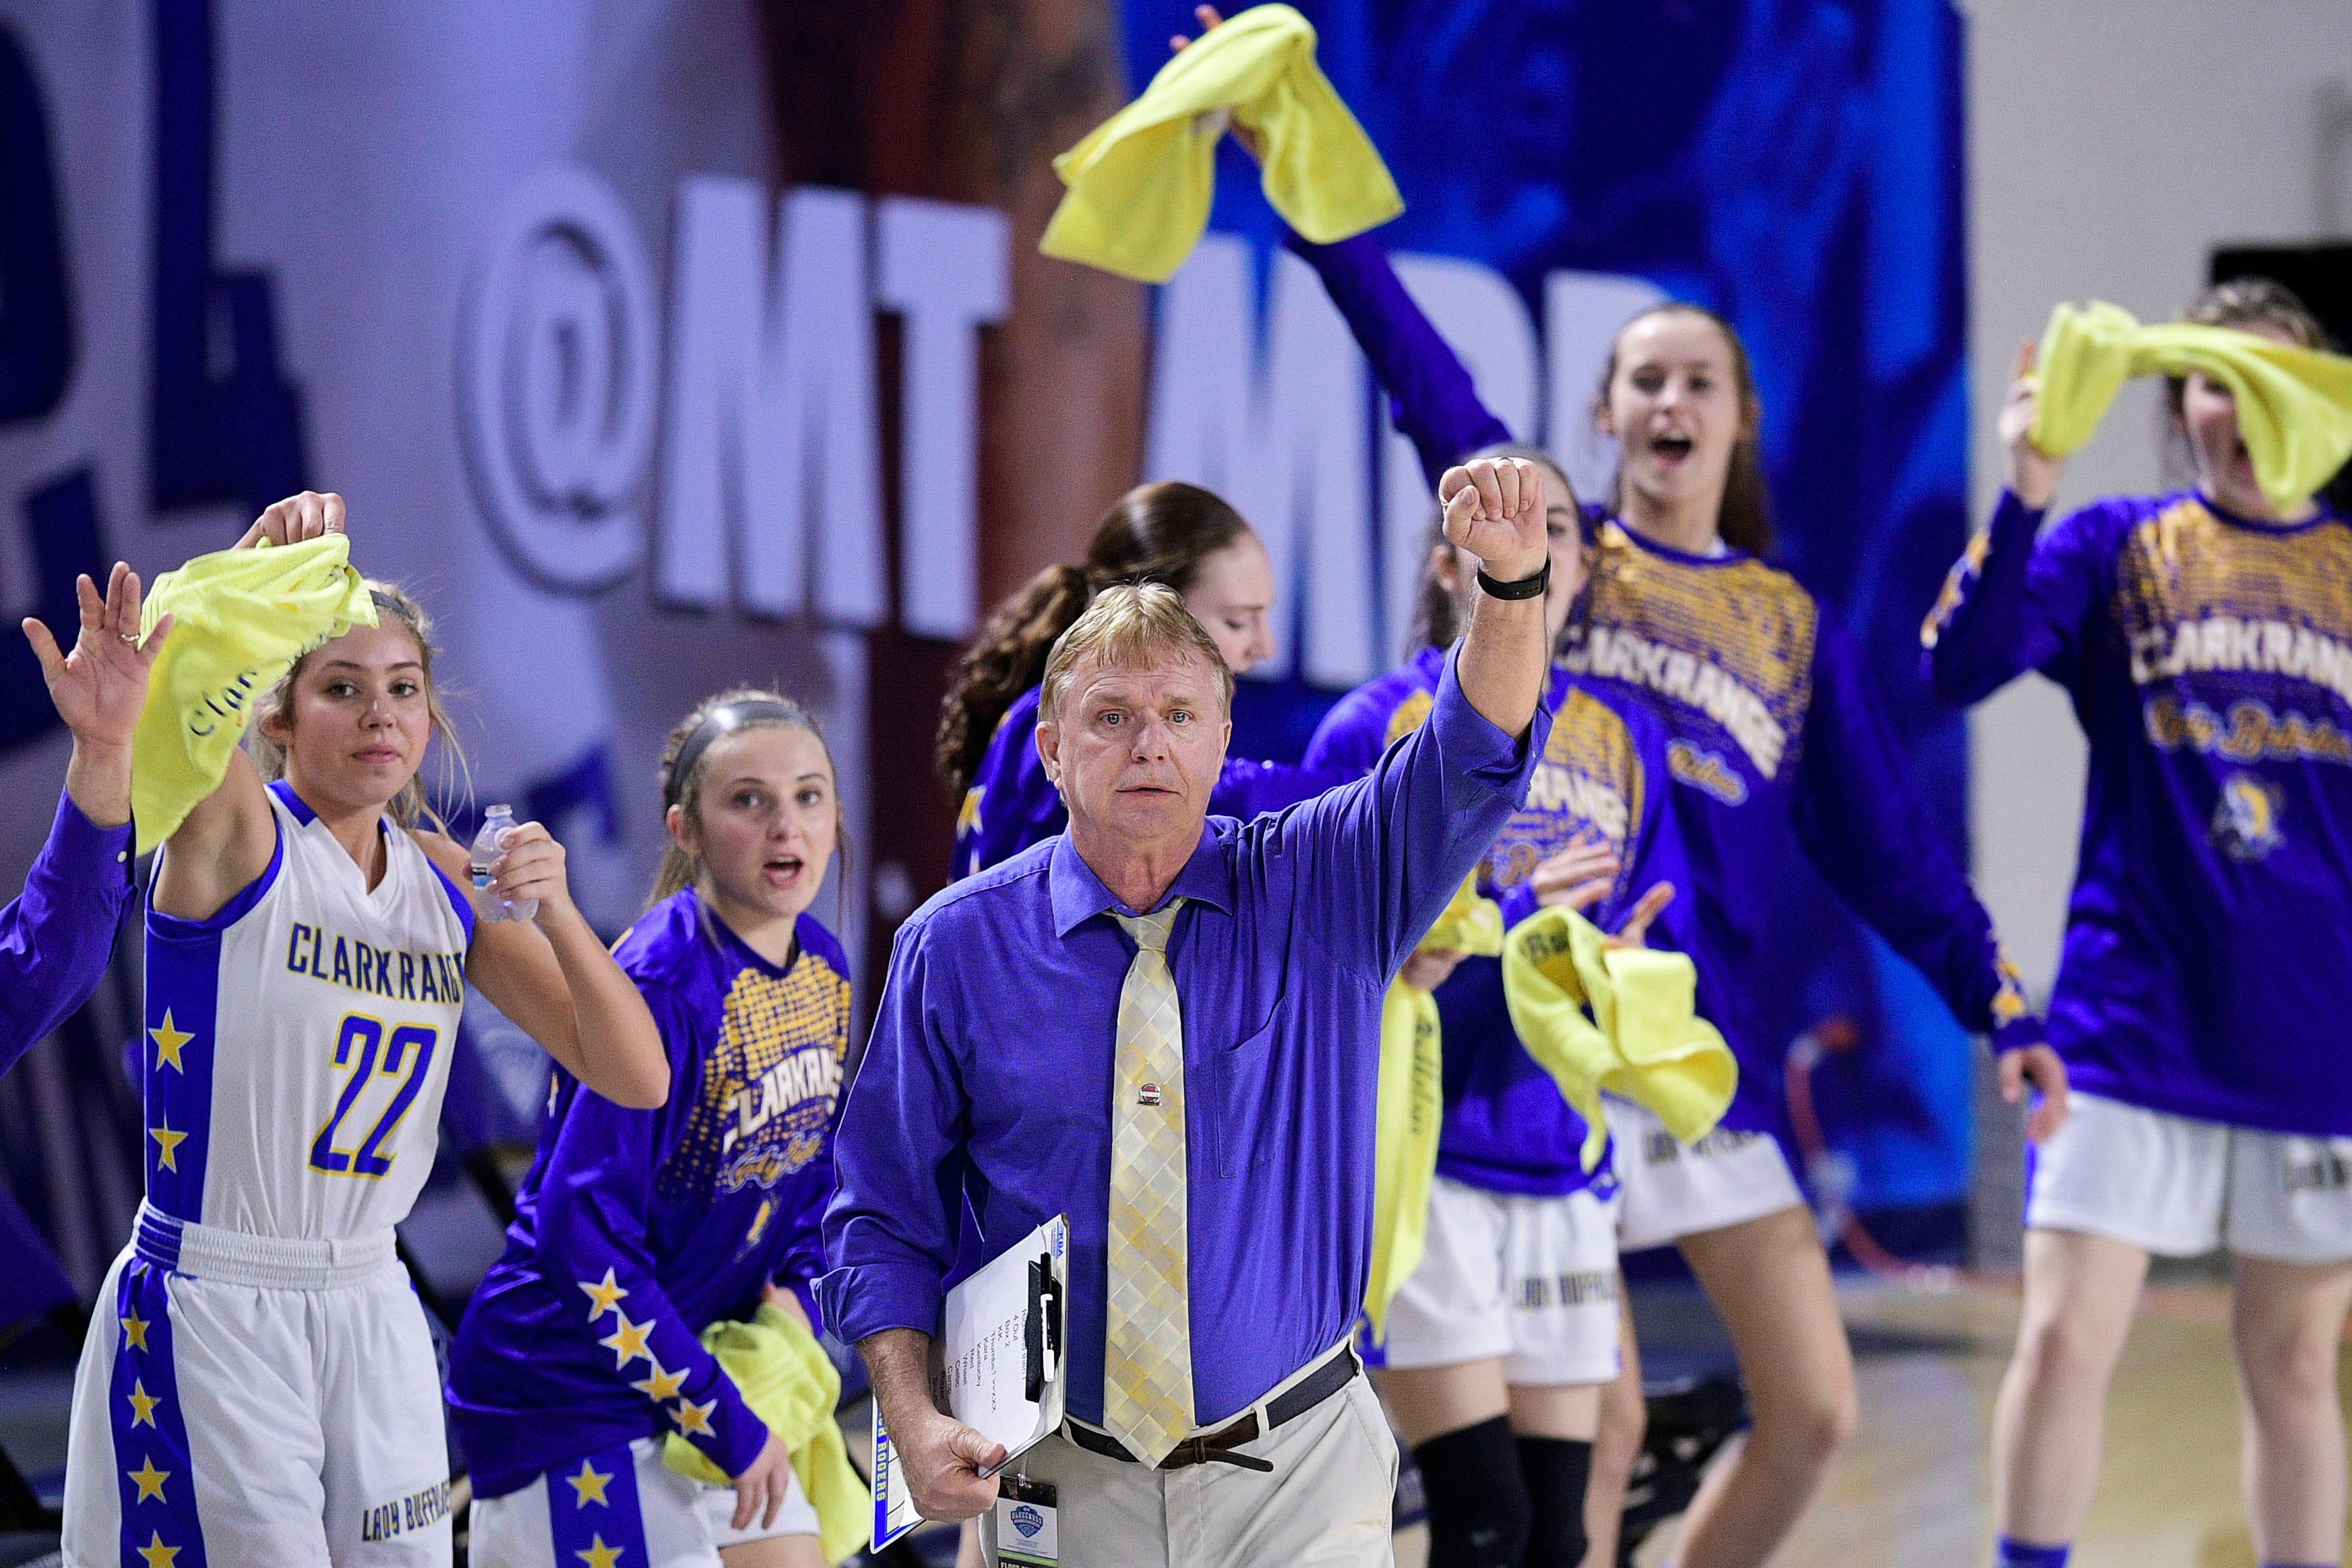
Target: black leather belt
<point>1339,1369</point>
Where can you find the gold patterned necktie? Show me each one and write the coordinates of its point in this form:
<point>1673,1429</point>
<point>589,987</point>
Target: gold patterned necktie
<point>1148,1331</point>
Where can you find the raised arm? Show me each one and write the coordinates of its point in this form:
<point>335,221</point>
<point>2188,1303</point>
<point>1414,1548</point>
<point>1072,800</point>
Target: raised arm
<point>1385,854</point>
<point>1431,397</point>
<point>56,936</point>
<point>1495,509</point>
<point>1862,822</point>
<point>2012,602</point>
<point>1431,400</point>
<point>225,840</point>
<point>552,975</point>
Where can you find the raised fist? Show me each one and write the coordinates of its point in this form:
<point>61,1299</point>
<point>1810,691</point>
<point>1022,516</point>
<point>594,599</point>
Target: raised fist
<point>1495,509</point>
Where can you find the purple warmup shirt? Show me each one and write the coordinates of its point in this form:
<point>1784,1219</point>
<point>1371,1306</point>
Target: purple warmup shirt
<point>1772,726</point>
<point>1602,776</point>
<point>1012,804</point>
<point>2208,961</point>
<point>57,935</point>
<point>989,1077</point>
<point>636,1229</point>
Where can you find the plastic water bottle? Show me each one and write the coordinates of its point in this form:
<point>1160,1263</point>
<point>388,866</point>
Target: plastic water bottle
<point>497,823</point>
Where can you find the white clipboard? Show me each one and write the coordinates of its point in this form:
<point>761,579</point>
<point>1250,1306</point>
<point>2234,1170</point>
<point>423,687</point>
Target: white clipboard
<point>998,1366</point>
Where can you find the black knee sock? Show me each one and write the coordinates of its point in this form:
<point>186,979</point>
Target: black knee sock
<point>1556,1471</point>
<point>1477,1502</point>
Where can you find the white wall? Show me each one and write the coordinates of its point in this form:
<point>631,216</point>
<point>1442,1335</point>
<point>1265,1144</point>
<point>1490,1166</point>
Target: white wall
<point>2111,146</point>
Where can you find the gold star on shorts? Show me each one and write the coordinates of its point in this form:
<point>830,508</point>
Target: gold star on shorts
<point>589,1485</point>
<point>142,1404</point>
<point>151,1480</point>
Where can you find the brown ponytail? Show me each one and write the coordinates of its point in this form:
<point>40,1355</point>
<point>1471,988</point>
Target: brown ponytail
<point>1744,521</point>
<point>1155,533</point>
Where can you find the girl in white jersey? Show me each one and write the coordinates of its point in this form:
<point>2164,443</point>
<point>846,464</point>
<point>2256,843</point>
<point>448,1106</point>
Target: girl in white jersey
<point>258,1385</point>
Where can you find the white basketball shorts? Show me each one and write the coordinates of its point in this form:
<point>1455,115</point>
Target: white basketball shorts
<point>1667,1190</point>
<point>1531,1282</point>
<point>624,1500</point>
<point>2176,1186</point>
<point>253,1400</point>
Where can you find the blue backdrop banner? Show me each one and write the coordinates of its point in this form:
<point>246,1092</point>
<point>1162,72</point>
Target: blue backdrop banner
<point>1795,165</point>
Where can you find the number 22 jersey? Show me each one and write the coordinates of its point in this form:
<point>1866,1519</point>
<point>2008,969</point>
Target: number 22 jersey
<point>296,1042</point>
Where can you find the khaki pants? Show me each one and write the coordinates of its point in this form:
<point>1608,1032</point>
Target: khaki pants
<point>1327,1502</point>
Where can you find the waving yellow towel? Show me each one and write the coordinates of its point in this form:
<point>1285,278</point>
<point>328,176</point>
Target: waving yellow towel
<point>1411,1096</point>
<point>2294,406</point>
<point>242,617</point>
<point>1141,183</point>
<point>785,1376</point>
<point>1642,1039</point>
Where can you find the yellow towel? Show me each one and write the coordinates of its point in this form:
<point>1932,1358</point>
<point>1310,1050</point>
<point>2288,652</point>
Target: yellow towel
<point>785,1376</point>
<point>1642,1039</point>
<point>241,618</point>
<point>1141,183</point>
<point>1411,1103</point>
<point>2294,406</point>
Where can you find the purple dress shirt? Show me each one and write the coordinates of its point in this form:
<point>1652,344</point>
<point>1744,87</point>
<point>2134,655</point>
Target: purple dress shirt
<point>990,1073</point>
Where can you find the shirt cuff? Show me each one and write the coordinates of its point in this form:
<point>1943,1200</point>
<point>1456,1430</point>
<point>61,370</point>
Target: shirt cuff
<point>1517,902</point>
<point>804,1292</point>
<point>2012,504</point>
<point>735,1434</point>
<point>84,850</point>
<point>864,1299</point>
<point>1475,745</point>
<point>2018,1033</point>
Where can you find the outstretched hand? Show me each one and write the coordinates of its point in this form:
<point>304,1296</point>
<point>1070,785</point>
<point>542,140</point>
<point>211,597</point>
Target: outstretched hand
<point>1495,509</point>
<point>101,684</point>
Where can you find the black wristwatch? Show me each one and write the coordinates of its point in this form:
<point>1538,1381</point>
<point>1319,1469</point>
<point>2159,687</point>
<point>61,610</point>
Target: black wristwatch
<point>1525,588</point>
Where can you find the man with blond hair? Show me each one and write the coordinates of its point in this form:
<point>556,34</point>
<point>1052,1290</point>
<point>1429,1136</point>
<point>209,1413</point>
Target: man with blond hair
<point>1166,1026</point>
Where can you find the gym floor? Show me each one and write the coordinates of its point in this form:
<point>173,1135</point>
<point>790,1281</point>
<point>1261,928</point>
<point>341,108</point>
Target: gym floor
<point>1913,1488</point>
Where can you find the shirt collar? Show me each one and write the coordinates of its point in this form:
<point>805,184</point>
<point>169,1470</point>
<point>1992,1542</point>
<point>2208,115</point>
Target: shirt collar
<point>1079,894</point>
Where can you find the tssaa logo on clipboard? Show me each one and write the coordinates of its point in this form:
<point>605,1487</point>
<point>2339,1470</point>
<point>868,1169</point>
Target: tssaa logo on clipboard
<point>997,1366</point>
